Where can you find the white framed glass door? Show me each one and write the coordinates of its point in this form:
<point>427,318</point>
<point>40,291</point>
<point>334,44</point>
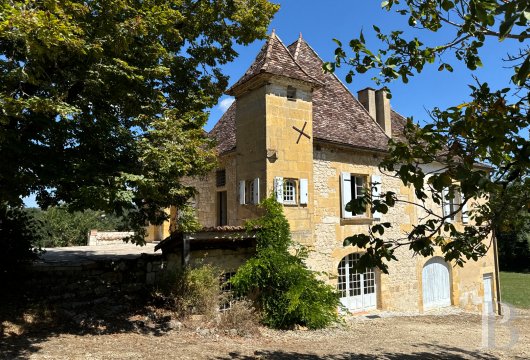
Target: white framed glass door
<point>357,289</point>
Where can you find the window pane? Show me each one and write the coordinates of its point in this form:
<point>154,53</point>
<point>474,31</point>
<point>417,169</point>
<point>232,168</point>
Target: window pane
<point>289,192</point>
<point>350,281</point>
<point>250,192</point>
<point>220,178</point>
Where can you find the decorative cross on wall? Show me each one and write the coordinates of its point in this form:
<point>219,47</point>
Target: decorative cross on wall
<point>301,132</point>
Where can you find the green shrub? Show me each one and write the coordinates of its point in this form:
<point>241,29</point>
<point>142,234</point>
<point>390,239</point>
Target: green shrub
<point>286,291</point>
<point>191,291</point>
<point>70,228</point>
<point>20,234</point>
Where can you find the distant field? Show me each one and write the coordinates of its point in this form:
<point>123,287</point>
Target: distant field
<point>515,288</point>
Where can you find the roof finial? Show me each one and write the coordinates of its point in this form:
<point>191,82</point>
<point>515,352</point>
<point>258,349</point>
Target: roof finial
<point>300,35</point>
<point>273,33</point>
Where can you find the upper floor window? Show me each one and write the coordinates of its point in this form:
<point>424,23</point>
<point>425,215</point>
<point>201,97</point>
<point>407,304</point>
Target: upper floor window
<point>220,178</point>
<point>291,93</point>
<point>451,206</point>
<point>354,186</point>
<point>289,191</point>
<point>249,192</point>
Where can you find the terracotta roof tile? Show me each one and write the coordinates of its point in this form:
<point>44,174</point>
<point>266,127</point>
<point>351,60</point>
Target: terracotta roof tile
<point>398,125</point>
<point>337,115</point>
<point>224,132</point>
<point>274,58</point>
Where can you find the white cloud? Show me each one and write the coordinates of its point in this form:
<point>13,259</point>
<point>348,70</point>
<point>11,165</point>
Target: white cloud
<point>225,103</point>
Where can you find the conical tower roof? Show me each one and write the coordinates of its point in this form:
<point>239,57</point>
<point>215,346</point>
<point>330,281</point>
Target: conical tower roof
<point>274,59</point>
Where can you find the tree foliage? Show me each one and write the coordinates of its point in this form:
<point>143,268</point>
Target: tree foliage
<point>102,103</point>
<point>491,127</point>
<point>61,227</point>
<point>512,228</point>
<point>287,292</point>
<point>20,235</point>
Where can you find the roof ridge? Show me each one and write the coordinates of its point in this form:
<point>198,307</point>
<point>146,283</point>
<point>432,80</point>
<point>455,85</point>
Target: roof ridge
<point>297,50</point>
<point>269,50</point>
<point>344,86</point>
<point>296,62</point>
<point>276,59</point>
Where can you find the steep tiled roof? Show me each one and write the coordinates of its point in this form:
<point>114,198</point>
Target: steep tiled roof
<point>398,124</point>
<point>275,59</point>
<point>224,132</point>
<point>337,115</point>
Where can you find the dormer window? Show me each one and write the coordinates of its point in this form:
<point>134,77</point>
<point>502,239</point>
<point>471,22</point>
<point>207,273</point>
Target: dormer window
<point>291,93</point>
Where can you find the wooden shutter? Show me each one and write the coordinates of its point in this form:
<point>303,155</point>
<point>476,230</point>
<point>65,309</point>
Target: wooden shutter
<point>345,190</point>
<point>255,193</point>
<point>304,191</point>
<point>376,193</point>
<point>278,189</point>
<point>465,216</point>
<point>446,203</point>
<point>242,192</point>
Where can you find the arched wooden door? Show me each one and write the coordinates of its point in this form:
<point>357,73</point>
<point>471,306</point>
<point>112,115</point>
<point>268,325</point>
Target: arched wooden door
<point>436,284</point>
<point>357,289</point>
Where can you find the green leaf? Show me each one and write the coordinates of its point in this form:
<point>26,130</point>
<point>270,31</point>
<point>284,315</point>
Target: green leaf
<point>523,71</point>
<point>506,26</point>
<point>447,5</point>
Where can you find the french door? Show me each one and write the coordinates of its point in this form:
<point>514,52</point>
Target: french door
<point>357,289</point>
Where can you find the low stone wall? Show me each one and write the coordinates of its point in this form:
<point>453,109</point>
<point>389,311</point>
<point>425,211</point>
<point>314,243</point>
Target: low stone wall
<point>96,237</point>
<point>92,280</point>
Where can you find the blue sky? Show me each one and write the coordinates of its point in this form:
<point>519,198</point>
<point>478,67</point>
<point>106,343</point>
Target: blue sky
<point>321,21</point>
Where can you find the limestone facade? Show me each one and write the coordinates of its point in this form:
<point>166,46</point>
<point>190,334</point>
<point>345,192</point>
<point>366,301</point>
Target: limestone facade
<point>281,136</point>
<point>319,225</point>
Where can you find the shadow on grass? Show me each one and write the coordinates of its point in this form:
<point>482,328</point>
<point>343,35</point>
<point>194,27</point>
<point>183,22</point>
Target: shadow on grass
<point>27,321</point>
<point>433,352</point>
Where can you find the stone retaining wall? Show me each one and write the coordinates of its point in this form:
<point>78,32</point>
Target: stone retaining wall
<point>96,237</point>
<point>95,279</point>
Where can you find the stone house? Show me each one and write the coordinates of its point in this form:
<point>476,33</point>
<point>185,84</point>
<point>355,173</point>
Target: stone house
<point>300,134</point>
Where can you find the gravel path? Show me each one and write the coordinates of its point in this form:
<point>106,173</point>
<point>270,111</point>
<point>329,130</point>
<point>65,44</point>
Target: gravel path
<point>387,336</point>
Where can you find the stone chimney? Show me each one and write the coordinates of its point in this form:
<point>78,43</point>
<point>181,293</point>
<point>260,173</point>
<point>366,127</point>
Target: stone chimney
<point>367,99</point>
<point>382,110</point>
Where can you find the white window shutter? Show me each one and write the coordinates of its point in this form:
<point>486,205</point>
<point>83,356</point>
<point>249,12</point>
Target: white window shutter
<point>278,189</point>
<point>304,191</point>
<point>242,192</point>
<point>255,194</point>
<point>345,190</point>
<point>446,203</point>
<point>465,215</point>
<point>376,193</point>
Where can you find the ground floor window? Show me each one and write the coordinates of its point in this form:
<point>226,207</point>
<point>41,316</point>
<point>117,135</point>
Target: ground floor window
<point>357,289</point>
<point>227,296</point>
